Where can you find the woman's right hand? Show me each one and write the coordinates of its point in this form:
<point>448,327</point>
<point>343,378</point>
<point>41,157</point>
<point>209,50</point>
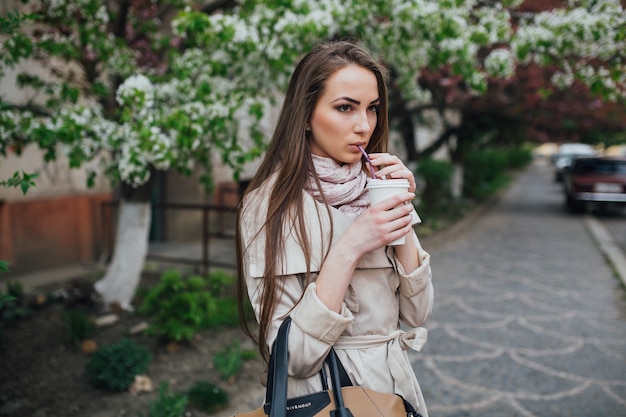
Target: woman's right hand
<point>380,224</point>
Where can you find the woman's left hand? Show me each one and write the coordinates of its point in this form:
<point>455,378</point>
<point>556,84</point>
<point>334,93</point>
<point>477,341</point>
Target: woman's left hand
<point>392,167</point>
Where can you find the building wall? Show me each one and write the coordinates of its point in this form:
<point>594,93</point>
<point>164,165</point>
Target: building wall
<point>57,222</point>
<point>48,232</point>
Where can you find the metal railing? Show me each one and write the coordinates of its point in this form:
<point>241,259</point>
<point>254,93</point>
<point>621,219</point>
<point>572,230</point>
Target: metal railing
<point>207,233</point>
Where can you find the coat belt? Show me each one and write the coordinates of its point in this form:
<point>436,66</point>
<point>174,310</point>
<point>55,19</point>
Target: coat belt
<point>398,341</point>
<point>414,339</point>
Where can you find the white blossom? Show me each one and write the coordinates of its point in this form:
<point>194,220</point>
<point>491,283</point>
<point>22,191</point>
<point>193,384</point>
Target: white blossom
<point>499,63</point>
<point>136,90</point>
<point>564,78</point>
<point>245,58</point>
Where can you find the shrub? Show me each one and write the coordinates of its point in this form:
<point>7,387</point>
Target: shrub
<point>226,313</point>
<point>15,289</point>
<point>113,367</point>
<point>229,361</point>
<point>519,158</point>
<point>13,307</point>
<point>437,176</point>
<point>168,404</point>
<point>485,172</point>
<point>5,298</point>
<point>179,308</point>
<point>207,397</point>
<point>78,325</point>
<point>219,283</point>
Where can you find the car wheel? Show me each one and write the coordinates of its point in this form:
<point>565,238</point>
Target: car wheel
<point>572,205</point>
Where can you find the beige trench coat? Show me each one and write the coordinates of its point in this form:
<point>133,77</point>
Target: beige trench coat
<point>366,333</point>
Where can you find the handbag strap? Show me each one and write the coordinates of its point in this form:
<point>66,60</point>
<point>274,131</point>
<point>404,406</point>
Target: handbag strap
<point>276,393</point>
<point>281,339</point>
<point>341,410</point>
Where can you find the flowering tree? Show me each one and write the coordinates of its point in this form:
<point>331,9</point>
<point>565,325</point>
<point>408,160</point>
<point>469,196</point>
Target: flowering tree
<point>118,89</point>
<point>122,91</point>
<point>543,94</point>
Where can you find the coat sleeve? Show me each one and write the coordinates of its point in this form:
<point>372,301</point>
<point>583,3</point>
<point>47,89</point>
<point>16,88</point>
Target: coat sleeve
<point>416,290</point>
<point>315,328</point>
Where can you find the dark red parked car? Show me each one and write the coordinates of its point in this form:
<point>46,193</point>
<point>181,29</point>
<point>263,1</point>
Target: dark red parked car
<point>595,182</point>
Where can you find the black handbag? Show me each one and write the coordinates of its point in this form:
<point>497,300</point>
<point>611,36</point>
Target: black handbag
<point>342,399</point>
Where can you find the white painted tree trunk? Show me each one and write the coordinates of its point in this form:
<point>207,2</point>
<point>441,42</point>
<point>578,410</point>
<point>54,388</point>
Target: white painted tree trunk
<point>456,182</point>
<point>122,277</point>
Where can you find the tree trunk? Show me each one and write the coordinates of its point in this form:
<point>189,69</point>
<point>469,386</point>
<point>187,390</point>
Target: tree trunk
<point>120,282</point>
<point>456,182</point>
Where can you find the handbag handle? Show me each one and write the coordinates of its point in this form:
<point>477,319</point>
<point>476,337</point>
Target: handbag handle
<point>341,410</point>
<point>276,393</point>
<point>277,373</point>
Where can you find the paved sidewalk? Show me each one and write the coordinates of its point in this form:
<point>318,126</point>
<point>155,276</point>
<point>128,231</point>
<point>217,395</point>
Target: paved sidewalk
<point>529,318</point>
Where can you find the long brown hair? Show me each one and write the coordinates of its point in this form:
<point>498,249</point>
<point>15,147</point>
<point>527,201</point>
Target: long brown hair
<point>289,156</point>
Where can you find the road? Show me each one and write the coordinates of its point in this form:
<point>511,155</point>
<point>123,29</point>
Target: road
<point>529,318</point>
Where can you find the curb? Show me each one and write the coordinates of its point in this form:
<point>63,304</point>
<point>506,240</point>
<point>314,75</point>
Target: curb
<point>608,246</point>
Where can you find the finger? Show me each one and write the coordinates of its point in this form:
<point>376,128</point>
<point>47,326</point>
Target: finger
<point>398,172</point>
<point>398,200</point>
<point>384,159</point>
<point>398,228</point>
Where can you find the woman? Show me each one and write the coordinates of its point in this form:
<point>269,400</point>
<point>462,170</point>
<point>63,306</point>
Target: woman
<point>310,246</point>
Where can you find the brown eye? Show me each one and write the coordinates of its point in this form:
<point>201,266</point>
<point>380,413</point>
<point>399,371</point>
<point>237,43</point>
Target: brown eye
<point>344,107</point>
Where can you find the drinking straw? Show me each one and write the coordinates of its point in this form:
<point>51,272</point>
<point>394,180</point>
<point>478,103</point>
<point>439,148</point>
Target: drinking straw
<point>367,158</point>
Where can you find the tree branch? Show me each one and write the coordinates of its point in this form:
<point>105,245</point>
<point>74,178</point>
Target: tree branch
<point>215,5</point>
<point>441,140</point>
<point>28,107</point>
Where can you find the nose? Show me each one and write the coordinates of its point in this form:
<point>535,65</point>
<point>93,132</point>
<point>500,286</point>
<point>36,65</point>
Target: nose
<point>362,124</point>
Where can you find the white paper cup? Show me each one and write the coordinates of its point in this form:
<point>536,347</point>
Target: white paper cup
<point>383,189</point>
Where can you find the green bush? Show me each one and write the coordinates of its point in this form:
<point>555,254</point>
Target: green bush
<point>180,307</point>
<point>229,361</point>
<point>5,298</point>
<point>436,195</point>
<point>113,367</point>
<point>168,404</point>
<point>226,314</point>
<point>485,172</point>
<point>13,307</point>
<point>220,283</point>
<point>16,289</point>
<point>78,326</point>
<point>207,397</point>
<point>519,158</point>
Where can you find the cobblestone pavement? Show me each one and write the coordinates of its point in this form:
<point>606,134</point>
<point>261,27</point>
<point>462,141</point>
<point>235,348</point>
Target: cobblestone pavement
<point>529,318</point>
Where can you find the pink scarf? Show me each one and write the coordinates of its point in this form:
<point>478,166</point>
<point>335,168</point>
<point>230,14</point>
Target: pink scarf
<point>342,185</point>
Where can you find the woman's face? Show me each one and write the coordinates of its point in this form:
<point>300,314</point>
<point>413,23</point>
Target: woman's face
<point>345,115</point>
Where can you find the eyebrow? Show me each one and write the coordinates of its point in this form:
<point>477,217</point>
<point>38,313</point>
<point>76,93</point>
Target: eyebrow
<point>351,100</point>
